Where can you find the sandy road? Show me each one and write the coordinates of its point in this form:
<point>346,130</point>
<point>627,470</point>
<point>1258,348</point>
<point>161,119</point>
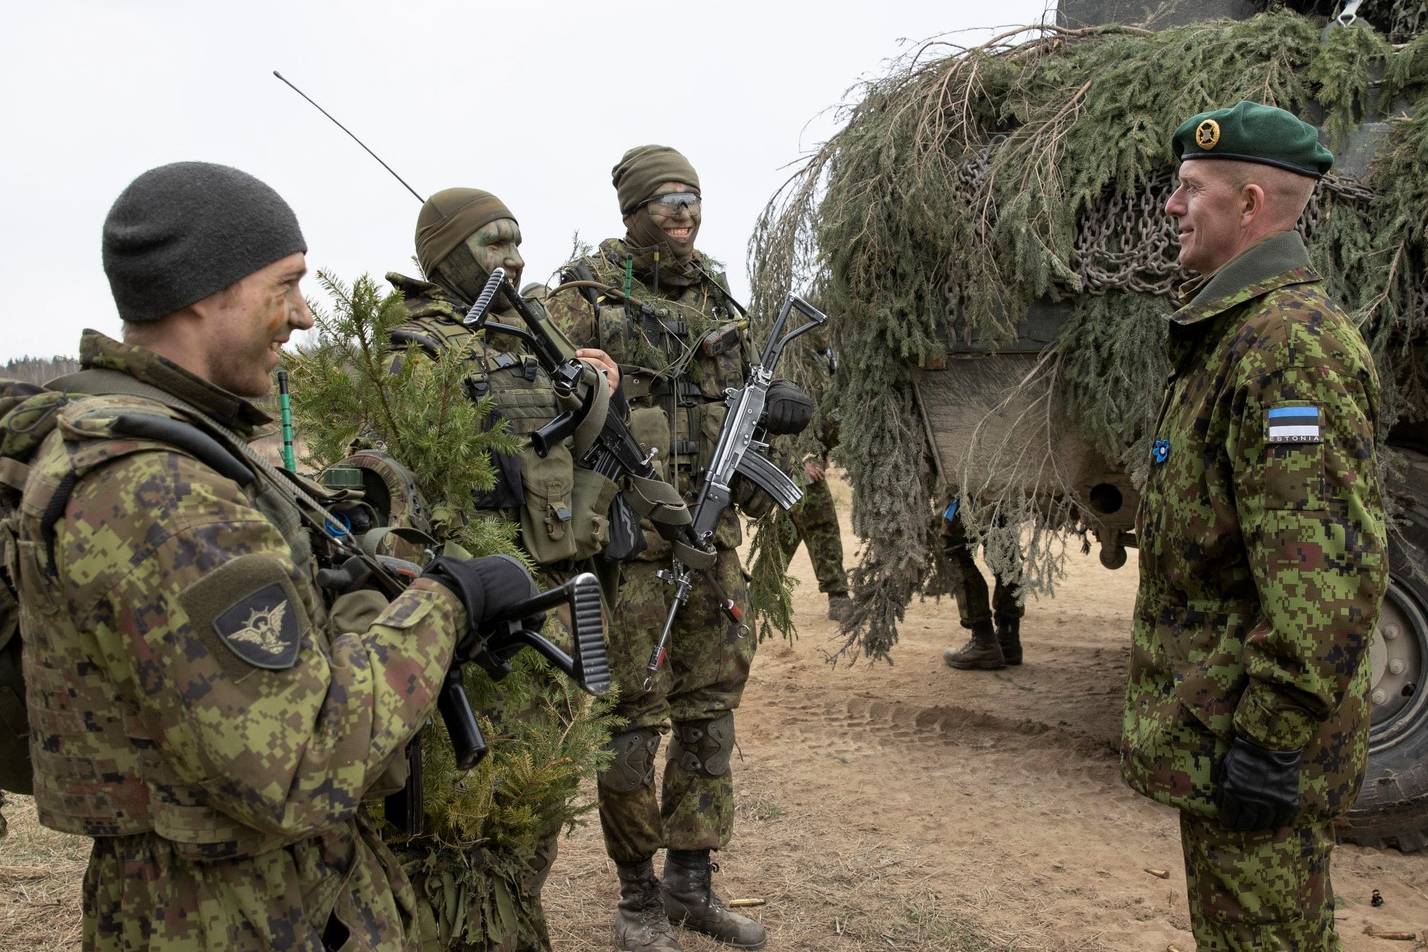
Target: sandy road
<point>905,807</point>
<point>990,802</point>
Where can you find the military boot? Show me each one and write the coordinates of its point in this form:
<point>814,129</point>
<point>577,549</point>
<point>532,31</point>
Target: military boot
<point>691,902</point>
<point>1009,639</point>
<point>838,605</point>
<point>641,924</point>
<point>981,653</point>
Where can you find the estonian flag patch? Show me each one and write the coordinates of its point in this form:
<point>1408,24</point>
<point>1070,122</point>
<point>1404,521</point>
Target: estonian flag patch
<point>1293,424</point>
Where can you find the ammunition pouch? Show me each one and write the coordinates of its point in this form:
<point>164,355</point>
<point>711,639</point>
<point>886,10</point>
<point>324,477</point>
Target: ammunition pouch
<point>650,428</point>
<point>590,511</point>
<point>547,511</point>
<point>704,747</point>
<point>633,766</point>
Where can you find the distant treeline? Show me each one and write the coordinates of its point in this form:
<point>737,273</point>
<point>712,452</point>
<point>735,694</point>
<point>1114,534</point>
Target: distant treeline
<point>38,369</point>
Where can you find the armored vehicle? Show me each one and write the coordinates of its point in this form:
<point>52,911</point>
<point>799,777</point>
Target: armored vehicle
<point>989,224</point>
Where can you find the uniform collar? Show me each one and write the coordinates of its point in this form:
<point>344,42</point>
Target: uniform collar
<point>99,351</point>
<point>1276,262</point>
<point>425,299</point>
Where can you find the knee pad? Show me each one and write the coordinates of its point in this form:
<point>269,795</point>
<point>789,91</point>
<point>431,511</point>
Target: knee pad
<point>633,766</point>
<point>704,747</point>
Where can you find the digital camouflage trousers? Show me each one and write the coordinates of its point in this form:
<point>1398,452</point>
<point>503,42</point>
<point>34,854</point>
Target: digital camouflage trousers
<point>1259,892</point>
<point>695,694</point>
<point>970,588</point>
<point>815,523</point>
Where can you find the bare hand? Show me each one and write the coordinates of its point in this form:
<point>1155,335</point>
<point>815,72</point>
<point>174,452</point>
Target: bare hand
<point>813,470</point>
<point>602,361</point>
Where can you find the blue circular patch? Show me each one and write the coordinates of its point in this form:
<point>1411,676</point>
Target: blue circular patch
<point>1159,451</point>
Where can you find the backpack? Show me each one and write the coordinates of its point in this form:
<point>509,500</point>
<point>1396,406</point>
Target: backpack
<point>28,414</point>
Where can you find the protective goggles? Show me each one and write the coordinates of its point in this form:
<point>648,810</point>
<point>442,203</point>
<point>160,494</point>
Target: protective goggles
<point>674,201</point>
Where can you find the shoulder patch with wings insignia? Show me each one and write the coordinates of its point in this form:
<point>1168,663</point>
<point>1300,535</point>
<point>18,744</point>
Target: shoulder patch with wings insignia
<point>261,628</point>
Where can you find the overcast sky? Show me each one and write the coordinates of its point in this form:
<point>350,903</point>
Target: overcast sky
<point>534,100</point>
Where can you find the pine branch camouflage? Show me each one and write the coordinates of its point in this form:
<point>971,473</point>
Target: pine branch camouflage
<point>1034,168</point>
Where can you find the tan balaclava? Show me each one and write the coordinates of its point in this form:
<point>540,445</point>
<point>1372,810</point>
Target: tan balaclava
<point>447,221</point>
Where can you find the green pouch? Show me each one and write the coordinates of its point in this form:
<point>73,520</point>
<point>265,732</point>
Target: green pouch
<point>590,511</point>
<point>650,427</point>
<point>549,506</point>
<point>527,408</point>
<point>708,424</point>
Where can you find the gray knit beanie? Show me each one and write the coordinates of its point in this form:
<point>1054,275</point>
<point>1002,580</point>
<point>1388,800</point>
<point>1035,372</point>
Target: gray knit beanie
<point>184,231</point>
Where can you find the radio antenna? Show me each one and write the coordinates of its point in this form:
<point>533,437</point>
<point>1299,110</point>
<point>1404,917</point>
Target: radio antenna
<point>349,132</point>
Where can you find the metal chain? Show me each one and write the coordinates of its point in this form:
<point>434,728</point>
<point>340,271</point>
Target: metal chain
<point>1128,243</point>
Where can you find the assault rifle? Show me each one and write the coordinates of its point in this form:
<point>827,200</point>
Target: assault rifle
<point>742,450</point>
<point>613,452</point>
<point>491,645</point>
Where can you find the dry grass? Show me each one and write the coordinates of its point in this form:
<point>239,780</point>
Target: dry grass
<point>40,873</point>
<point>829,884</point>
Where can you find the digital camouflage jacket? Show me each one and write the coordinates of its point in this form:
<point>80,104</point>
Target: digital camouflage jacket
<point>561,507</point>
<point>194,704</point>
<point>1262,541</point>
<point>679,348</point>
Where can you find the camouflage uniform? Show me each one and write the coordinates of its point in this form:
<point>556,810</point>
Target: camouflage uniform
<point>535,492</point>
<point>1262,560</point>
<point>194,706</point>
<point>521,389</point>
<point>815,518</point>
<point>969,588</point>
<point>675,388</point>
<point>815,521</point>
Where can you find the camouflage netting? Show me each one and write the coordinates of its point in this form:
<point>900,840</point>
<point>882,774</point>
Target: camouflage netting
<point>969,183</point>
<point>489,830</point>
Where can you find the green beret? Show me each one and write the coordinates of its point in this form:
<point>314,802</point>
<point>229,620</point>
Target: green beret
<point>645,168</point>
<point>1251,132</point>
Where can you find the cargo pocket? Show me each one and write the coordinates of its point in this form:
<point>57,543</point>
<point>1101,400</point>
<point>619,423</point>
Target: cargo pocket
<point>590,522</point>
<point>548,508</point>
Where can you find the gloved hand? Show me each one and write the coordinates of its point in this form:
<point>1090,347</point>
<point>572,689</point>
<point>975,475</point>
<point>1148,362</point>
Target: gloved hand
<point>1256,789</point>
<point>488,588</point>
<point>787,409</point>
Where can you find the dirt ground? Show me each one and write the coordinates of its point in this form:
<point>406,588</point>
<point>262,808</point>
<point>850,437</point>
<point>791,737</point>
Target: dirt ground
<point>905,807</point>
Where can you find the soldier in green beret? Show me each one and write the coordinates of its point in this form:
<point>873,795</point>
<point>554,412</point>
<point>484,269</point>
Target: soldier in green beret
<point>1262,546</point>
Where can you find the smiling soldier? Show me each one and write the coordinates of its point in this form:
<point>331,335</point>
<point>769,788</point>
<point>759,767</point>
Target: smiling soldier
<point>199,704</point>
<point>1261,535</point>
<point>662,310</point>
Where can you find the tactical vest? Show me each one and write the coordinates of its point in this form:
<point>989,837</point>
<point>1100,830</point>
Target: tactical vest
<point>679,350</point>
<point>563,509</point>
<point>97,769</point>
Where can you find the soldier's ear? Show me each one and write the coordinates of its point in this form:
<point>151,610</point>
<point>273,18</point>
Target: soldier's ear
<point>1252,202</point>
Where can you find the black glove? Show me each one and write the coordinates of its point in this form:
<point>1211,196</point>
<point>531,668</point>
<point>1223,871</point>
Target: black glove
<point>1256,789</point>
<point>787,409</point>
<point>488,587</point>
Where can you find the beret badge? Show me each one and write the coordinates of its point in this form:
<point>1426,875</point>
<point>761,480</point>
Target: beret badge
<point>1207,134</point>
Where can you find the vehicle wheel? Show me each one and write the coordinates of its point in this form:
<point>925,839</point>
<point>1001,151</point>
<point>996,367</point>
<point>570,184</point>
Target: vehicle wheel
<point>1392,808</point>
